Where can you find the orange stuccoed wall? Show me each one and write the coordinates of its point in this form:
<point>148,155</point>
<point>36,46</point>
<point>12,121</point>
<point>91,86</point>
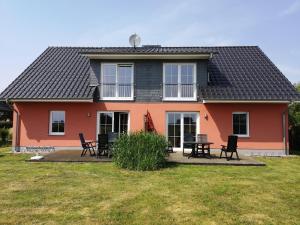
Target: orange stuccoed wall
<point>266,130</point>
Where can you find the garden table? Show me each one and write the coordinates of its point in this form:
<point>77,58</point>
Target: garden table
<point>195,148</point>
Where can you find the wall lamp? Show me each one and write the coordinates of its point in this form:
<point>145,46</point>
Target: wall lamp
<point>206,116</point>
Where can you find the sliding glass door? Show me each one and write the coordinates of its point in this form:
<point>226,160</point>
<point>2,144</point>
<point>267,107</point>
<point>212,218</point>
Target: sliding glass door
<point>106,122</point>
<point>174,129</point>
<point>182,126</point>
<point>123,122</point>
<point>189,126</point>
<point>113,122</point>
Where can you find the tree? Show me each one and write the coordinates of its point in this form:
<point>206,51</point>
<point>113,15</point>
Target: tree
<point>294,110</point>
<point>294,124</point>
<point>5,117</point>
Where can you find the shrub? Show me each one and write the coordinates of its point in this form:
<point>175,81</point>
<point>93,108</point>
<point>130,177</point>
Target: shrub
<point>4,134</point>
<point>140,151</point>
<point>294,139</point>
<point>6,124</point>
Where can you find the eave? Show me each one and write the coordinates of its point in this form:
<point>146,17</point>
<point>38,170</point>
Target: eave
<point>247,101</point>
<point>51,100</point>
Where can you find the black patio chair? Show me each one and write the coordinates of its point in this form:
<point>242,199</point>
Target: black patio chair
<point>187,137</point>
<point>112,137</point>
<point>169,148</point>
<point>102,145</point>
<point>87,146</point>
<point>202,138</point>
<point>230,148</point>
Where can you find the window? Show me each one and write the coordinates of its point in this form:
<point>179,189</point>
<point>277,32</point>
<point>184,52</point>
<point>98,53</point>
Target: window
<point>180,81</point>
<point>240,123</point>
<point>117,81</point>
<point>57,123</point>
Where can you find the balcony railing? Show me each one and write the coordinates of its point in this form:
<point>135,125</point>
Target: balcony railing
<point>108,90</point>
<point>116,90</point>
<point>171,91</point>
<point>124,90</point>
<point>185,91</point>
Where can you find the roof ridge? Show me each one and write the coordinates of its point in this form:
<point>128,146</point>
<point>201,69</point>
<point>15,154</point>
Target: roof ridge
<point>115,47</point>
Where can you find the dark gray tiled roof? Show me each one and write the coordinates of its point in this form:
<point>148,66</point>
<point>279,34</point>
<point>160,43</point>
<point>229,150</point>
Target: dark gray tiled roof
<point>236,73</point>
<point>245,73</point>
<point>58,73</point>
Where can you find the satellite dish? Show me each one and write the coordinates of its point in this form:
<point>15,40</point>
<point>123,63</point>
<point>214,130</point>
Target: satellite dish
<point>134,40</point>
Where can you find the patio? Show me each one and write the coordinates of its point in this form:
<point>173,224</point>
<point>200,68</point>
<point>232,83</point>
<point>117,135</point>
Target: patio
<point>176,157</point>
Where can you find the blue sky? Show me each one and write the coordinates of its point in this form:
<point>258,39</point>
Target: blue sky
<point>27,28</point>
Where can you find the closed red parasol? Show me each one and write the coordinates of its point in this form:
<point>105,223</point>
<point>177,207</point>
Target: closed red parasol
<point>149,126</point>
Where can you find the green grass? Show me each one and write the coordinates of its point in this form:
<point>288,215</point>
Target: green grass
<point>95,193</point>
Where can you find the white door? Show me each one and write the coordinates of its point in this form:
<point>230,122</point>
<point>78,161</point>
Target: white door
<point>180,125</point>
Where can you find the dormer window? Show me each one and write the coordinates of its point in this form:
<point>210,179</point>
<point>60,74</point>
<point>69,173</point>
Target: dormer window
<point>179,82</point>
<point>116,81</point>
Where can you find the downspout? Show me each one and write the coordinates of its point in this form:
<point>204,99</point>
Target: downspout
<point>16,148</point>
<point>286,150</point>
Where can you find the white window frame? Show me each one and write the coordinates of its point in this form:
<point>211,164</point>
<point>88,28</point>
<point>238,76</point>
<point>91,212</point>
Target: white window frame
<point>181,126</point>
<point>247,121</point>
<point>113,120</point>
<point>50,123</point>
<point>132,82</point>
<point>179,98</point>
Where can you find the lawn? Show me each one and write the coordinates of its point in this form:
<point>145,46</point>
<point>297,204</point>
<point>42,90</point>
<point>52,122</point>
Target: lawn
<point>95,193</point>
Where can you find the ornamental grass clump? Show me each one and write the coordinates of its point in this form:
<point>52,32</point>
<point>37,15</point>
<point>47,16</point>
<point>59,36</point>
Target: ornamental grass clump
<point>140,151</point>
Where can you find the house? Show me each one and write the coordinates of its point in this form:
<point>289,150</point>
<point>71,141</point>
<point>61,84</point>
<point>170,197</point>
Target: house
<point>186,90</point>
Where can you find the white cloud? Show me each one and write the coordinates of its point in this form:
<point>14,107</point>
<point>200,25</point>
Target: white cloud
<point>293,8</point>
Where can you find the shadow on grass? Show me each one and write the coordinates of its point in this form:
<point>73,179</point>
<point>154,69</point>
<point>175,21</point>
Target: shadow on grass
<point>171,165</point>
